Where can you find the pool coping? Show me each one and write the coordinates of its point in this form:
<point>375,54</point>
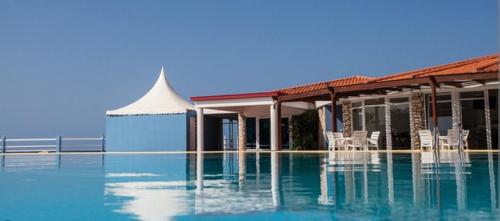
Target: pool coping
<point>236,151</point>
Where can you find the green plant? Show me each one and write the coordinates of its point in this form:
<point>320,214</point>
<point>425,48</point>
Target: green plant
<point>305,130</point>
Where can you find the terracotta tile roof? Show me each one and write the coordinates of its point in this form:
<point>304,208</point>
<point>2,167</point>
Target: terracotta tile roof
<point>476,65</point>
<point>323,85</point>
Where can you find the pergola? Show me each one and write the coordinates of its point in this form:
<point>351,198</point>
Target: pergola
<point>384,87</point>
<point>458,76</point>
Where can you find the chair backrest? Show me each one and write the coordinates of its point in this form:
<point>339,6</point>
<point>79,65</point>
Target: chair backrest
<point>375,135</point>
<point>425,137</point>
<point>338,135</point>
<point>329,136</point>
<point>452,136</point>
<point>332,136</point>
<point>359,137</point>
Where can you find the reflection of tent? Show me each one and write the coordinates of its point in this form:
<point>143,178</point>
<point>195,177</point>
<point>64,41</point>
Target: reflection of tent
<point>160,120</point>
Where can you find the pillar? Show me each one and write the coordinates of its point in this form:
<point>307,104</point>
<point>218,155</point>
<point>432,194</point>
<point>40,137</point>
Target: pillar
<point>347,117</point>
<point>199,130</point>
<point>388,126</point>
<point>322,127</point>
<point>257,133</point>
<point>416,118</point>
<point>487,113</point>
<point>333,101</point>
<point>242,132</point>
<point>456,110</point>
<point>433,85</point>
<point>274,126</point>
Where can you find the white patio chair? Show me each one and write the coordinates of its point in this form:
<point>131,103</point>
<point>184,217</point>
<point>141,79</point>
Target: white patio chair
<point>335,141</point>
<point>373,140</point>
<point>358,140</point>
<point>451,140</point>
<point>425,139</point>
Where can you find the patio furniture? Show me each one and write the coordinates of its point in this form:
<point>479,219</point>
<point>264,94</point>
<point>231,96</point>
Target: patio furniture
<point>336,140</point>
<point>373,140</point>
<point>358,140</point>
<point>450,140</point>
<point>425,139</point>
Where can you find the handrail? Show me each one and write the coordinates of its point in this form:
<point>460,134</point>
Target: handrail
<point>29,139</point>
<point>32,146</point>
<point>6,143</point>
<point>82,139</point>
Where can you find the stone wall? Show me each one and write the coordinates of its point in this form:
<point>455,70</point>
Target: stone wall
<point>456,113</point>
<point>242,132</point>
<point>417,118</point>
<point>347,117</point>
<point>321,128</point>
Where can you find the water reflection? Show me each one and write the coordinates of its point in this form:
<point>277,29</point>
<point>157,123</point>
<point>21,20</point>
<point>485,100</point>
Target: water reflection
<point>338,185</point>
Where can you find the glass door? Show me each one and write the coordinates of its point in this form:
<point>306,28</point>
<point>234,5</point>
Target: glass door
<point>443,113</point>
<point>375,119</point>
<point>474,118</point>
<point>493,99</point>
<point>400,123</point>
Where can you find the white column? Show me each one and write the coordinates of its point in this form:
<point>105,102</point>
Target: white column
<point>199,130</point>
<point>388,126</point>
<point>488,119</point>
<point>257,133</point>
<point>274,127</point>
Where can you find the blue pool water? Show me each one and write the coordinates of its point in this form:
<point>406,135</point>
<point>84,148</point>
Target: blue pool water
<point>265,186</point>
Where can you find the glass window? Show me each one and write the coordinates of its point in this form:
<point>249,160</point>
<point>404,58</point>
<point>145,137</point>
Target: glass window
<point>399,100</point>
<point>400,126</point>
<point>264,133</point>
<point>473,94</point>
<point>375,101</point>
<point>375,121</point>
<point>493,101</point>
<point>358,104</point>
<point>340,122</point>
<point>357,119</point>
<point>251,139</point>
<point>473,119</point>
<point>443,110</point>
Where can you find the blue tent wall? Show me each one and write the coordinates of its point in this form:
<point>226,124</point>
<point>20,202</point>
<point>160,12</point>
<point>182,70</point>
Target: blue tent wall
<point>147,132</point>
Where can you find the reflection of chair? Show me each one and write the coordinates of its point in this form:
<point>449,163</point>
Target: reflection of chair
<point>335,140</point>
<point>358,140</point>
<point>465,135</point>
<point>373,140</point>
<point>425,139</point>
<point>451,140</point>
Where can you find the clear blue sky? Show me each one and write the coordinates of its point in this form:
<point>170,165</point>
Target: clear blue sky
<point>64,63</point>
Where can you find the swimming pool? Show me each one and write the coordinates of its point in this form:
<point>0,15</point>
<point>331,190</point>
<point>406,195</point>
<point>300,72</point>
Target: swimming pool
<point>239,186</point>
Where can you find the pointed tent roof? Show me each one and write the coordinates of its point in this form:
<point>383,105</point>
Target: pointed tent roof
<point>161,99</point>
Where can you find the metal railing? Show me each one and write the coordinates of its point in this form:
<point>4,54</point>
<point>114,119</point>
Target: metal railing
<point>57,144</point>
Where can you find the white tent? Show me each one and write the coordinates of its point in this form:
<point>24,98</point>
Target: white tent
<point>161,99</point>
